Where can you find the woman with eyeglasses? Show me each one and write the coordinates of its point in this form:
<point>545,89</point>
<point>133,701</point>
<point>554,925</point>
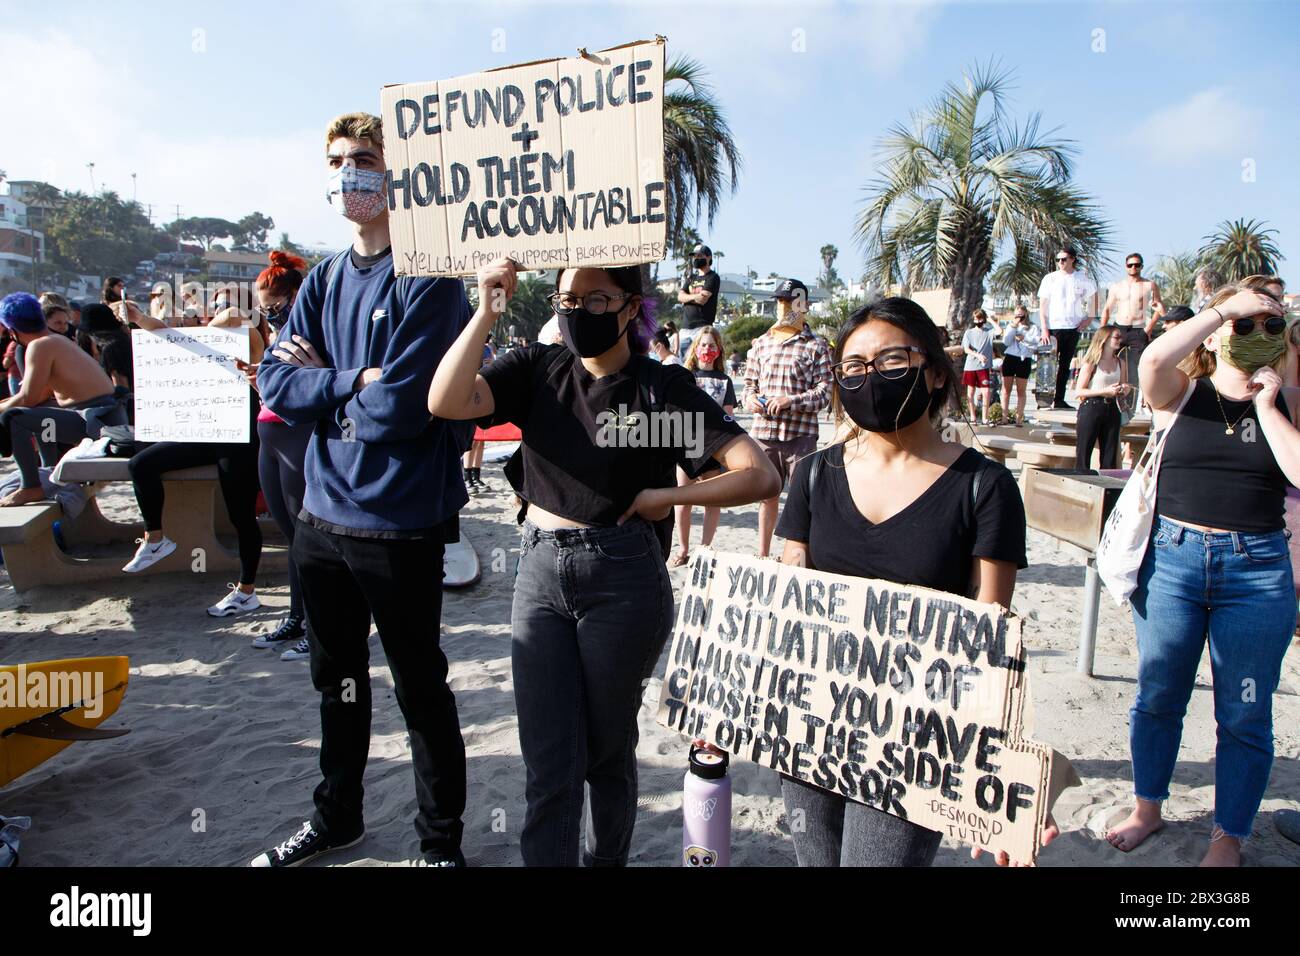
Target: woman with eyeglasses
<point>593,605</point>
<point>282,448</point>
<point>1217,566</point>
<point>897,502</point>
<point>1103,382</point>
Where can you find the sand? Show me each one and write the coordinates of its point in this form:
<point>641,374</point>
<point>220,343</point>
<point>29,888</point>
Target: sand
<point>222,755</point>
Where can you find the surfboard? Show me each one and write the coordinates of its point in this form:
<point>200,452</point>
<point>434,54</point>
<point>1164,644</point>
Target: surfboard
<point>460,568</point>
<point>49,705</point>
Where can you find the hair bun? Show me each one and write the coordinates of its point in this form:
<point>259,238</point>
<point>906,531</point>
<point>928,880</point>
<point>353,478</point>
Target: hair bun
<point>286,260</point>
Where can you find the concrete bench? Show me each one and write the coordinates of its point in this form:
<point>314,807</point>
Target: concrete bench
<point>1043,455</point>
<point>996,447</point>
<point>194,516</point>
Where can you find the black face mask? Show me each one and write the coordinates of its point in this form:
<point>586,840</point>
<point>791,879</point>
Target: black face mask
<point>886,405</point>
<point>587,335</point>
<point>700,263</point>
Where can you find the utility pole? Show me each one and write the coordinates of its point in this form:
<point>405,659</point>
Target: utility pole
<point>133,189</point>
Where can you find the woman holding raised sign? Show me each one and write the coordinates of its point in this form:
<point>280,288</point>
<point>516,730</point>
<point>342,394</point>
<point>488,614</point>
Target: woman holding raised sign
<point>1217,565</point>
<point>236,474</point>
<point>593,605</point>
<point>896,502</point>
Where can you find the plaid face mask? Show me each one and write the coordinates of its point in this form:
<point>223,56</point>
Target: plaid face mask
<point>357,194</point>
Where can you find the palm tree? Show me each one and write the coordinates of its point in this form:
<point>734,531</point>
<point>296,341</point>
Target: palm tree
<point>1239,249</point>
<point>701,160</point>
<point>1176,275</point>
<point>828,254</point>
<point>965,180</point>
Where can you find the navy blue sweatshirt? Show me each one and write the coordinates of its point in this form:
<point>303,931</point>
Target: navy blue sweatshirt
<point>378,463</point>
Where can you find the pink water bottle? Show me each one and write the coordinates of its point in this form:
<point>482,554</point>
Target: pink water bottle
<point>706,810</point>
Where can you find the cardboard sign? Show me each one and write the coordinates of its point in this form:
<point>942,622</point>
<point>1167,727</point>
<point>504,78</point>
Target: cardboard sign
<point>556,163</point>
<point>187,387</point>
<point>909,700</point>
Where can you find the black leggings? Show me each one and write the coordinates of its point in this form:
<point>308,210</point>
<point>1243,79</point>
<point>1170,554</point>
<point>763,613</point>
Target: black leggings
<point>280,466</point>
<point>236,472</point>
<point>1098,421</point>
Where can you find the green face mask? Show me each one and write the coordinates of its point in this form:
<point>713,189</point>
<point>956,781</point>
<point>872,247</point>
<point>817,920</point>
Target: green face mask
<point>1253,351</point>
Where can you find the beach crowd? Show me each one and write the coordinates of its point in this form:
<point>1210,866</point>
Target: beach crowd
<point>366,392</point>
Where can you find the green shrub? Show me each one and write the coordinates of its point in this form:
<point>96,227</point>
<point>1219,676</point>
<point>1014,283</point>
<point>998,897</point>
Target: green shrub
<point>741,331</point>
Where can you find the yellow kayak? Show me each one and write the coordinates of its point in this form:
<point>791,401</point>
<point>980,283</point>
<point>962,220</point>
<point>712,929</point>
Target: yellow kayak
<point>49,705</point>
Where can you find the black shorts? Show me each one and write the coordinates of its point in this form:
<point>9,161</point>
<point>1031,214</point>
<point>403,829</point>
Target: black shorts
<point>1013,367</point>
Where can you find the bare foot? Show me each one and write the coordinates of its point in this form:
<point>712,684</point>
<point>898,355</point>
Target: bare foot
<point>1223,851</point>
<point>23,496</point>
<point>1140,824</point>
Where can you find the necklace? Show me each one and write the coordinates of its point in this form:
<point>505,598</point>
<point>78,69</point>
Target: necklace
<point>1230,429</point>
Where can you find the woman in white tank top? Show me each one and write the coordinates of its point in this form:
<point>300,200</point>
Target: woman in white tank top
<point>1103,380</point>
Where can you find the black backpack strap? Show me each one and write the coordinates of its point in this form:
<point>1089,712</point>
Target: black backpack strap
<point>335,266</point>
<point>815,470</point>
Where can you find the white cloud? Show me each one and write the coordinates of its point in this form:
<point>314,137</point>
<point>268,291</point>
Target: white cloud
<point>1213,123</point>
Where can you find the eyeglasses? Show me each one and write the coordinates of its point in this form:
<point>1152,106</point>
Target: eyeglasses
<point>1062,258</point>
<point>892,363</point>
<point>1133,265</point>
<point>597,303</point>
<point>1273,325</point>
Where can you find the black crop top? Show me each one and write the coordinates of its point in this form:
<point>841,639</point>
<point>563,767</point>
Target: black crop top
<point>588,447</point>
<point>1211,478</point>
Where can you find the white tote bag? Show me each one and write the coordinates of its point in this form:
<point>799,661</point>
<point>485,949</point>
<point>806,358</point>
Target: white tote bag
<point>1128,529</point>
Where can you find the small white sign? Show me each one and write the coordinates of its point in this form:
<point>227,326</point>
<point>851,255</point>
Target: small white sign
<point>187,387</point>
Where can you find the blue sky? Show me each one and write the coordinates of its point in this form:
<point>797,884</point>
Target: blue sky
<point>220,107</point>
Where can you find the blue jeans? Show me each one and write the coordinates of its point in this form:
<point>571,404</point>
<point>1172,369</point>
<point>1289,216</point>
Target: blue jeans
<point>593,608</point>
<point>1236,589</point>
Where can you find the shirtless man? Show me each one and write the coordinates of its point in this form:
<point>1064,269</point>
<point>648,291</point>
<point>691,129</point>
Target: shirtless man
<point>60,383</point>
<point>1127,305</point>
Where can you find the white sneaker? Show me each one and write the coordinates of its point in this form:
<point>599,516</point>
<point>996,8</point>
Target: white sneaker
<point>149,553</point>
<point>236,602</point>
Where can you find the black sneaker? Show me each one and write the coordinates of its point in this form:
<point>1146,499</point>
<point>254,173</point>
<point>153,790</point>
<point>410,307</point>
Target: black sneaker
<point>435,858</point>
<point>291,628</point>
<point>307,844</point>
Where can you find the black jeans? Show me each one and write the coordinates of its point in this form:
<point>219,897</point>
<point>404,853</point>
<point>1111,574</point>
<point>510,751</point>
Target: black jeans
<point>26,431</point>
<point>236,474</point>
<point>836,831</point>
<point>593,608</point>
<point>1067,341</point>
<point>1098,421</point>
<point>281,469</point>
<point>345,582</point>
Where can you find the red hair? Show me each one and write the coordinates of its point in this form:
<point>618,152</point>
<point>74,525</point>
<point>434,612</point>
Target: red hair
<point>284,275</point>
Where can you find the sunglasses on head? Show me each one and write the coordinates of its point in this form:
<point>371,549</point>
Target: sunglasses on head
<point>1273,325</point>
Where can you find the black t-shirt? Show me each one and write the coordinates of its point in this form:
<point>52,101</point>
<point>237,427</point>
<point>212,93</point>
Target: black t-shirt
<point>115,356</point>
<point>696,316</point>
<point>930,543</point>
<point>716,385</point>
<point>577,458</point>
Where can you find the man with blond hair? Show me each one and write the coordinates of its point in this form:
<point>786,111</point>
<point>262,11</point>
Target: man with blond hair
<point>383,489</point>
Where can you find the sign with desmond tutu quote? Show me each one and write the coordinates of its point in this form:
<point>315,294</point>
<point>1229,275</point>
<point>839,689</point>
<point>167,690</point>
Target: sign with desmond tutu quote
<point>909,700</point>
<point>555,163</point>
